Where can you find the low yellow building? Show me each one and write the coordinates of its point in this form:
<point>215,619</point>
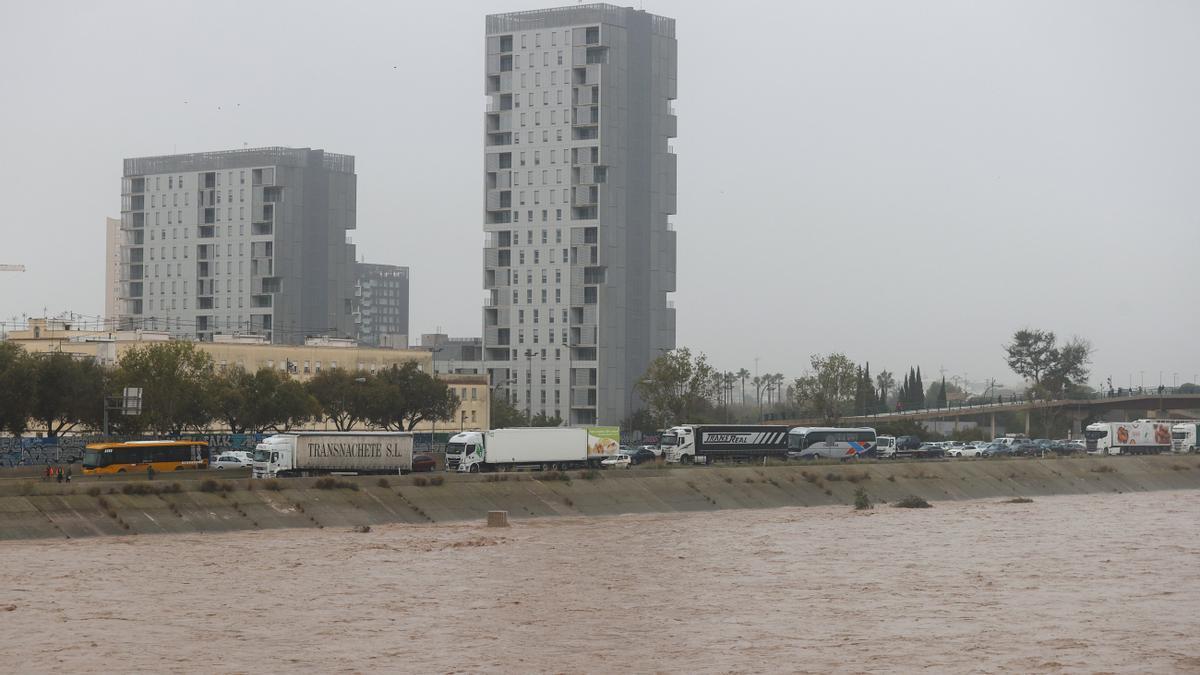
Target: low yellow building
<point>251,353</point>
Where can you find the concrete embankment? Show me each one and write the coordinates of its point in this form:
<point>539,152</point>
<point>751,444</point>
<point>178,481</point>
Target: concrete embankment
<point>91,506</point>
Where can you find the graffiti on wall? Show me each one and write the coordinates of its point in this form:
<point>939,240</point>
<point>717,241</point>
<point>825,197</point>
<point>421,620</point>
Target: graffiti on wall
<point>65,449</point>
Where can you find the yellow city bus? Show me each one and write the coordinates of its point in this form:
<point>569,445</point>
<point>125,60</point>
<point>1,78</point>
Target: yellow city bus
<point>134,456</point>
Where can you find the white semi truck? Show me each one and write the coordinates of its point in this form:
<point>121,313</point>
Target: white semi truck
<point>1183,437</point>
<point>1140,437</point>
<point>536,448</point>
<point>315,453</point>
<point>706,443</point>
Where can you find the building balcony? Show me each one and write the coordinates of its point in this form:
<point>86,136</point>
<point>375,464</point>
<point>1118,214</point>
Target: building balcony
<point>583,397</point>
<point>497,258</point>
<point>499,200</point>
<point>585,196</point>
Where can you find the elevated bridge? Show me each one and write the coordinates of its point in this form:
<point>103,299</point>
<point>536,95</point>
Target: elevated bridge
<point>1078,409</point>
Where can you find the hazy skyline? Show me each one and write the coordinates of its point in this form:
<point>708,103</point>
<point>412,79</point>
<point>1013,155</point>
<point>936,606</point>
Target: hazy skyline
<point>907,183</point>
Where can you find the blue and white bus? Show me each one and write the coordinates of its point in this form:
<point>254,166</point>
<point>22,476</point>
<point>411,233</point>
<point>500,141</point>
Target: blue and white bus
<point>830,442</point>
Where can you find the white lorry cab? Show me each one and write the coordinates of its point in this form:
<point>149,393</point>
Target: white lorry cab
<point>1183,437</point>
<point>885,446</point>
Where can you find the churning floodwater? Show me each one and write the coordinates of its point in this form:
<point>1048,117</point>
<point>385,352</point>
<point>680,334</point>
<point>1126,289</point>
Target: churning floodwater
<point>1064,583</point>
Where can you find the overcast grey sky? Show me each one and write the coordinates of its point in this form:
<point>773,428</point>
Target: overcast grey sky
<point>905,182</point>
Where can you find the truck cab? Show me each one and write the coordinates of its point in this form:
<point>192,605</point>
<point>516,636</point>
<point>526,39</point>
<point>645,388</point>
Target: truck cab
<point>1183,437</point>
<point>886,446</point>
<point>464,452</point>
<point>678,444</point>
<point>273,456</point>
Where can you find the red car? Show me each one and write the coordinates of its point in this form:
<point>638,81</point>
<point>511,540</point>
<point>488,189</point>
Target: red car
<point>423,463</point>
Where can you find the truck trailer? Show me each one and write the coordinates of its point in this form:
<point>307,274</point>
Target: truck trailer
<point>1141,437</point>
<point>534,448</point>
<point>316,453</point>
<point>707,443</point>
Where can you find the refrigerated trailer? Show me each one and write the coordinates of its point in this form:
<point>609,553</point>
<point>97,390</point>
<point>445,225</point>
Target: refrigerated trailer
<point>1141,437</point>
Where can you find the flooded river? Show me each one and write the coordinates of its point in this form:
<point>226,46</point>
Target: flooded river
<point>1064,583</point>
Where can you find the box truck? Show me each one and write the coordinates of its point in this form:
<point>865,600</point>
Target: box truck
<point>536,448</point>
<point>315,453</point>
<point>724,442</point>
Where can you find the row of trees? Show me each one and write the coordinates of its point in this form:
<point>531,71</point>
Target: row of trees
<point>679,386</point>
<point>183,390</point>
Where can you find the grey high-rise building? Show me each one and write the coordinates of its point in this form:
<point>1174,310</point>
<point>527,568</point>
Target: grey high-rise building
<point>381,305</point>
<point>579,185</point>
<point>241,241</point>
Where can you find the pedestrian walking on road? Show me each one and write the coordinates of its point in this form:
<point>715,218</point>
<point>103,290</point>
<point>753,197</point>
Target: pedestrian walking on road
<point>150,473</point>
<point>46,478</point>
<point>58,474</point>
<point>68,473</point>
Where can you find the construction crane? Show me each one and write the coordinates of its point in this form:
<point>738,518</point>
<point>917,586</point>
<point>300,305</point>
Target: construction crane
<point>12,268</point>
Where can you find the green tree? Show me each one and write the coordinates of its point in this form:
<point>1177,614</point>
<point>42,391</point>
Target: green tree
<point>342,395</point>
<point>941,394</point>
<point>828,391</point>
<point>504,414</point>
<point>1036,356</point>
<point>543,420</point>
<point>175,381</point>
<point>16,388</point>
<point>885,382</point>
<point>230,396</point>
<point>67,392</point>
<point>401,397</point>
<point>676,386</point>
<point>290,406</point>
<point>742,374</point>
<point>642,421</point>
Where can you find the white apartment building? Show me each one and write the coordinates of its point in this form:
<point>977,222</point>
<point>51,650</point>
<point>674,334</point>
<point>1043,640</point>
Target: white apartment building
<point>579,185</point>
<point>238,242</point>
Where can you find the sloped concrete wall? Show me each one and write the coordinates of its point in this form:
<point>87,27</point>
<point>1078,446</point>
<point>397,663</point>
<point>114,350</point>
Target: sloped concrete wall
<point>94,507</point>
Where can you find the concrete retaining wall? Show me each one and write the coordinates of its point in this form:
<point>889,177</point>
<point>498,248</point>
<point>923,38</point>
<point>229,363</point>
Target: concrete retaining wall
<point>99,506</point>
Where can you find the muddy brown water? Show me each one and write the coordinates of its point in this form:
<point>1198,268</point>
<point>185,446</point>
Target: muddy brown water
<point>1067,583</point>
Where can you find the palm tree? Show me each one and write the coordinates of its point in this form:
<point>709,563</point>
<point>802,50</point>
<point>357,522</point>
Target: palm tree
<point>742,375</point>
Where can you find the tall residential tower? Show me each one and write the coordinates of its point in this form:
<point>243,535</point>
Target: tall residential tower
<point>242,241</point>
<point>579,184</point>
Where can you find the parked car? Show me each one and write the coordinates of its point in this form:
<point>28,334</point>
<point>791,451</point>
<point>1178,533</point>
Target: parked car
<point>1026,449</point>
<point>931,450</point>
<point>423,463</point>
<point>966,450</point>
<point>642,455</point>
<point>618,461</point>
<point>230,461</point>
<point>1070,448</point>
<point>998,450</point>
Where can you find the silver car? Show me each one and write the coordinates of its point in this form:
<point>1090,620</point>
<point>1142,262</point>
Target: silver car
<point>230,461</point>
